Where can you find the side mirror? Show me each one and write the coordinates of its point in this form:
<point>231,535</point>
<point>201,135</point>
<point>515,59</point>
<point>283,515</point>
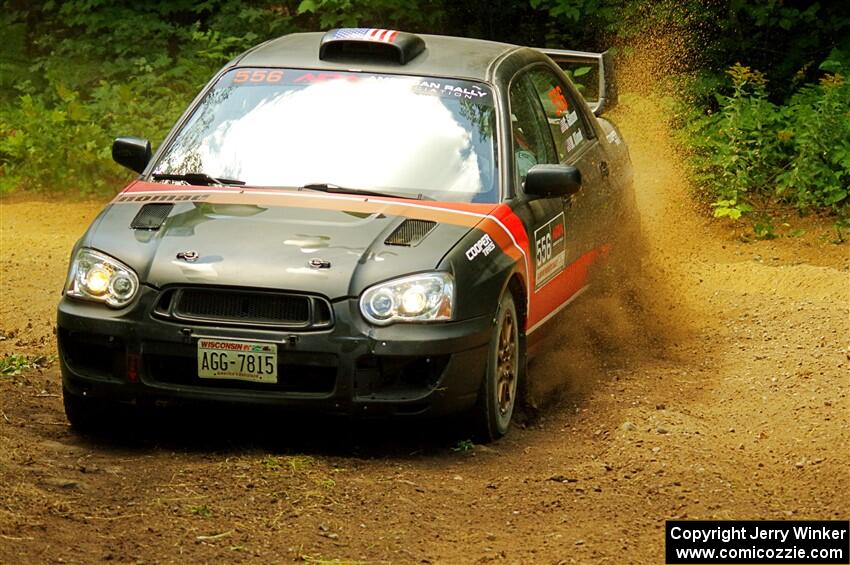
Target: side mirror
<point>552,180</point>
<point>132,152</point>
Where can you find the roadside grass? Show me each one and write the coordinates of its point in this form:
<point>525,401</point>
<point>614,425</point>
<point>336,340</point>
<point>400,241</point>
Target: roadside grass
<point>314,482</point>
<point>299,462</point>
<point>464,445</point>
<point>13,364</point>
<point>272,463</point>
<point>294,463</point>
<point>203,511</point>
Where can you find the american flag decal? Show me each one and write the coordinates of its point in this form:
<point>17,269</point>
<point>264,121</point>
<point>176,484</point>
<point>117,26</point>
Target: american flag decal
<point>366,33</point>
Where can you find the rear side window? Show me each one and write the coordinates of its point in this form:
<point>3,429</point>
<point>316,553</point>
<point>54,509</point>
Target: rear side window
<point>562,112</point>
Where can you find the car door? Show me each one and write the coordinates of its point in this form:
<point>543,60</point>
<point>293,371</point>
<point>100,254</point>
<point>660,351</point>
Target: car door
<point>587,213</point>
<point>550,125</point>
<point>532,144</point>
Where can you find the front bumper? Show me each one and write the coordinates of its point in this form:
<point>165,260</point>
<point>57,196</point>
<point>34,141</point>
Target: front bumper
<point>353,368</point>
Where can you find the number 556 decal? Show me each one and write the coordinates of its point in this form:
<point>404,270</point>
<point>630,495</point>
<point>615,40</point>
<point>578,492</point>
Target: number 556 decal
<point>549,250</point>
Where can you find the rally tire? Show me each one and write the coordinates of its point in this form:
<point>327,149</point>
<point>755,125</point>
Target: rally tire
<point>497,399</point>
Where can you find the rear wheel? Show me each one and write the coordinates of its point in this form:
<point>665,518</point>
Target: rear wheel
<point>498,396</point>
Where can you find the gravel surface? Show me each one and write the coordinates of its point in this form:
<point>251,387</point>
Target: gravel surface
<point>713,385</point>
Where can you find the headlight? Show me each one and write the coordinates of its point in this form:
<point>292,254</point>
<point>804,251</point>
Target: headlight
<point>98,277</point>
<point>418,298</point>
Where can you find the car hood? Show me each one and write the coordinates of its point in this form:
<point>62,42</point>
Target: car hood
<point>269,240</point>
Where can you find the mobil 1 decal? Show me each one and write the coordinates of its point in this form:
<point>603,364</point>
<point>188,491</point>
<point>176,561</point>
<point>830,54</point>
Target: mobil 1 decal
<point>549,250</point>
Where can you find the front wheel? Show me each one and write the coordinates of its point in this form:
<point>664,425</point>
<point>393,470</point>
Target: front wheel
<point>498,396</point>
<point>85,414</point>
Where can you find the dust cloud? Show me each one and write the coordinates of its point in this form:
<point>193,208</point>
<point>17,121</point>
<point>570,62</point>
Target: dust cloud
<point>640,306</point>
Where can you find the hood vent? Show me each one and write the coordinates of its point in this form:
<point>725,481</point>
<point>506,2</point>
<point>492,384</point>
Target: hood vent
<point>151,216</point>
<point>410,232</point>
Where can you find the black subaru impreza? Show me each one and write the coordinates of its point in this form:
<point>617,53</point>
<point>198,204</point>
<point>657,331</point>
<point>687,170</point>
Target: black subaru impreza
<point>363,222</point>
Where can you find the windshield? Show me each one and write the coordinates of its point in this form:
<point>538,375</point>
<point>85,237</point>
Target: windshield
<point>392,134</point>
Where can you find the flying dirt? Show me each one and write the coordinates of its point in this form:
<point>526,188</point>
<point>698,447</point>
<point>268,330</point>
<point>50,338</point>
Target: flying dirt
<point>710,383</point>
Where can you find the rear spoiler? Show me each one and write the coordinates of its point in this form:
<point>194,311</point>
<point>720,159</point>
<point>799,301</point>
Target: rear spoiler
<point>598,85</point>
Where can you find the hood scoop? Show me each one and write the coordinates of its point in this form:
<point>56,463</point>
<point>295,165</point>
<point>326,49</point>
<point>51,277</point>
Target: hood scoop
<point>151,216</point>
<point>410,232</point>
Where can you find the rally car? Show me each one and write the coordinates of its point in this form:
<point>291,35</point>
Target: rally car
<point>362,222</point>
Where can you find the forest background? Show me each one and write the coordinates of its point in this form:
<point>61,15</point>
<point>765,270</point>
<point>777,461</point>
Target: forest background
<point>756,90</point>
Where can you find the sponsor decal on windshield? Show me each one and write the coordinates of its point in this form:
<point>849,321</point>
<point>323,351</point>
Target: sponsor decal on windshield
<point>444,88</point>
<point>320,77</point>
<point>258,76</point>
<point>473,92</point>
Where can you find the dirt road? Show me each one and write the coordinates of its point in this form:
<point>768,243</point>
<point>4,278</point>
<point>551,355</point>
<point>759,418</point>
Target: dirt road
<point>723,394</point>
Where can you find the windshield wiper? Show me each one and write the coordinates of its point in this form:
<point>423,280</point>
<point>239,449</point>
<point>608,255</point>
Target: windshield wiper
<point>336,189</point>
<point>197,179</point>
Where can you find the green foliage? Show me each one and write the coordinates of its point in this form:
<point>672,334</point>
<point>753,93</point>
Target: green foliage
<point>784,39</point>
<point>842,229</point>
<point>87,71</point>
<point>575,11</point>
<point>764,229</point>
<point>464,445</point>
<point>416,14</point>
<point>818,137</point>
<point>75,74</point>
<point>203,511</point>
<point>270,462</point>
<point>584,79</point>
<point>752,151</point>
<point>14,364</point>
<point>736,147</point>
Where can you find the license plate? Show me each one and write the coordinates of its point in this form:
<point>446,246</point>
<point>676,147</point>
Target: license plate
<point>238,360</point>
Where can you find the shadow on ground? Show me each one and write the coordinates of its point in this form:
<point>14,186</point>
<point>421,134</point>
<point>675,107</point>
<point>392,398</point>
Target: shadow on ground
<point>206,428</point>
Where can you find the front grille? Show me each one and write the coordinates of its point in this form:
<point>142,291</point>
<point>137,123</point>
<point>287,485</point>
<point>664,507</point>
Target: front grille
<point>242,306</point>
<point>245,308</point>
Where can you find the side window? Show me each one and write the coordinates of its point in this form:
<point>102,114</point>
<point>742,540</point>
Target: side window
<point>562,113</point>
<point>532,143</point>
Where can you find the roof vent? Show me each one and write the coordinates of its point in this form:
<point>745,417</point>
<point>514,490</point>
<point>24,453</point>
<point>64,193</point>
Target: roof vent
<point>410,232</point>
<point>151,216</point>
<point>369,44</point>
